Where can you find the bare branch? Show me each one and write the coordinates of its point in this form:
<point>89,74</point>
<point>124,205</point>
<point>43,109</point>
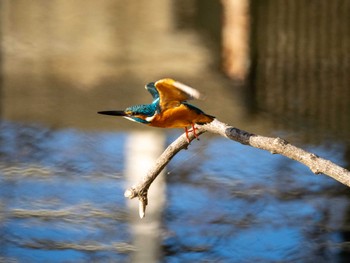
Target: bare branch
<point>274,145</point>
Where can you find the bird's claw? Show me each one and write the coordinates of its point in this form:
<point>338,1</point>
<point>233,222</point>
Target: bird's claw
<point>194,133</point>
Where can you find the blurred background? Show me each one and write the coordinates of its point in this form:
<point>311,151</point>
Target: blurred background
<point>275,68</point>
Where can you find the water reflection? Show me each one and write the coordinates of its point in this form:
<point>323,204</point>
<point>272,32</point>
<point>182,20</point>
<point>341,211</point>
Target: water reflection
<point>274,209</point>
<point>142,150</point>
<point>66,199</point>
<point>54,196</point>
<point>62,167</point>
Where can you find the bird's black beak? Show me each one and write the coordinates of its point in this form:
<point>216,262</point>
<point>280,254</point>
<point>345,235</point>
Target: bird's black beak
<point>113,112</point>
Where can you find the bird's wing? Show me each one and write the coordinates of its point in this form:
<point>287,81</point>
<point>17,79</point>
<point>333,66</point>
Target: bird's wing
<point>151,88</point>
<point>172,93</point>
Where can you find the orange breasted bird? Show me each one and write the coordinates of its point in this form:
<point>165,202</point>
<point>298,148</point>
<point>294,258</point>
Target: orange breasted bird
<point>169,108</point>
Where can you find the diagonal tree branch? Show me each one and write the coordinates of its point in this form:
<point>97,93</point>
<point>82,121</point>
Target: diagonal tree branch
<point>277,145</point>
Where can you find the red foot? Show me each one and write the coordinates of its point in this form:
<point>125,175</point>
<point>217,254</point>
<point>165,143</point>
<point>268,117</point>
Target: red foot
<point>186,131</point>
<point>194,133</point>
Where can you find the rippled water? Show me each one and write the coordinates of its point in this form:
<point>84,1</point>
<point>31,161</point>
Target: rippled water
<point>64,169</point>
<point>62,201</point>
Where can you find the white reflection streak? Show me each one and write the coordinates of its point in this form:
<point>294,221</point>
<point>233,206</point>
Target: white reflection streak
<point>142,150</point>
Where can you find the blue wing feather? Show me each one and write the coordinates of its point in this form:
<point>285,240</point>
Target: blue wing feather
<point>153,90</point>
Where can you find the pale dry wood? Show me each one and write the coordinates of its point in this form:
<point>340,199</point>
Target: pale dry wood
<point>316,164</point>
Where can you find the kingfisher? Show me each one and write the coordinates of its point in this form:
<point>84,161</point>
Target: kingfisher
<point>169,108</point>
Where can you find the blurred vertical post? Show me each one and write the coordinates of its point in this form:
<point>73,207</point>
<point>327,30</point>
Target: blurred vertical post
<point>235,38</point>
<point>142,150</point>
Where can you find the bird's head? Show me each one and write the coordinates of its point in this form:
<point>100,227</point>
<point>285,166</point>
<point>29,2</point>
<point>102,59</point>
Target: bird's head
<point>143,113</point>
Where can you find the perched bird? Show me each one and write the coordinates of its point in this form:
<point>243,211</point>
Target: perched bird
<point>169,108</point>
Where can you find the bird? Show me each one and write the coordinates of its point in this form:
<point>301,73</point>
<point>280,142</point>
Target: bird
<point>169,108</point>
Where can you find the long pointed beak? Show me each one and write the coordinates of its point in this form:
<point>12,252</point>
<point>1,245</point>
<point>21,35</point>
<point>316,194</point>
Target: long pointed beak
<point>113,112</point>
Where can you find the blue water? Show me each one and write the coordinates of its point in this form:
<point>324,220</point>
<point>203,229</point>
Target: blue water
<point>61,200</point>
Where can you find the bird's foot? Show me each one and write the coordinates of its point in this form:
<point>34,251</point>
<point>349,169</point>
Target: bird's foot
<point>194,133</point>
<point>188,138</point>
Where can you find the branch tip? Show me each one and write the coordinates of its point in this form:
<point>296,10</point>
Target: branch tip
<point>129,194</point>
<point>142,208</point>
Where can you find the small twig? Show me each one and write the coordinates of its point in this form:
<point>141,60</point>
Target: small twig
<point>274,145</point>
